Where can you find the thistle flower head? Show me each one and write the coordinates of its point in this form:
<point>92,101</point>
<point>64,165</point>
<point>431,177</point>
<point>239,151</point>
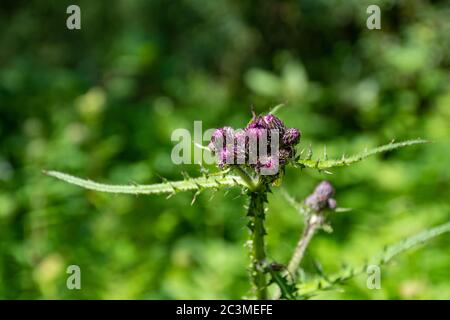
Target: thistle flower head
<point>321,198</point>
<point>257,137</point>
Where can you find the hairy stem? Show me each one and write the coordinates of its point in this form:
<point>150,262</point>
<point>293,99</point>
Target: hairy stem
<point>258,254</point>
<point>312,224</point>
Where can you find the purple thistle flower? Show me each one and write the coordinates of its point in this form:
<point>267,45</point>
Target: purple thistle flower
<point>225,157</point>
<point>212,147</point>
<point>254,146</point>
<point>324,189</point>
<point>272,122</point>
<point>321,198</point>
<point>240,146</point>
<point>220,138</point>
<point>268,165</point>
<point>291,137</point>
<point>311,201</point>
<point>267,122</point>
<point>256,122</point>
<point>228,133</point>
<point>255,133</point>
<point>240,138</point>
<point>217,140</point>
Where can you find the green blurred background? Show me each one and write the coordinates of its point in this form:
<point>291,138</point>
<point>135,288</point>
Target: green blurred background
<point>102,102</point>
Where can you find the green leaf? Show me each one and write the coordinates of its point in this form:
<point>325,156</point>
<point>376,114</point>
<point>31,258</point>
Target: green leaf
<point>392,251</point>
<point>212,181</point>
<point>287,289</point>
<point>316,286</point>
<point>327,164</point>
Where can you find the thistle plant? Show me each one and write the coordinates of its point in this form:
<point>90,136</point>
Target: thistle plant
<point>254,159</point>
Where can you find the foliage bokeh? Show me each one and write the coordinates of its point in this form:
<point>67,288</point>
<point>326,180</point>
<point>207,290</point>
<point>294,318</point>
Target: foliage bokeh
<point>101,102</point>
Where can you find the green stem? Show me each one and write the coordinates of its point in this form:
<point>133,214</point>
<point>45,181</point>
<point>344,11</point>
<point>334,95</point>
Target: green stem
<point>258,255</point>
<point>246,178</point>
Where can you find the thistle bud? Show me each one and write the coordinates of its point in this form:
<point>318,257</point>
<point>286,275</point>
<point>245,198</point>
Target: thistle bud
<point>272,122</point>
<point>324,189</point>
<point>321,198</point>
<point>291,137</point>
<point>256,122</point>
<point>285,155</point>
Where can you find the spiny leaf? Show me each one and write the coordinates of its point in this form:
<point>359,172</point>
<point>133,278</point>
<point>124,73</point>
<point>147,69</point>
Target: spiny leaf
<point>345,161</point>
<point>388,253</point>
<point>392,251</point>
<point>287,289</point>
<point>170,187</point>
